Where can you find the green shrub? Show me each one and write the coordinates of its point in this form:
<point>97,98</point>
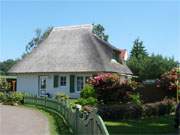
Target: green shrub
<point>88,91</point>
<point>161,108</point>
<point>14,98</point>
<point>120,111</point>
<point>88,101</point>
<point>135,98</point>
<point>110,89</point>
<point>4,85</point>
<point>61,96</point>
<point>2,96</point>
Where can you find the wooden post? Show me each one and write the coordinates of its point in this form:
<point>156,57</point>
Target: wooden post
<point>77,121</point>
<point>94,120</point>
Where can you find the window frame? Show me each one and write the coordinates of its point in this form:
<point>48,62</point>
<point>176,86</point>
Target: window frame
<point>63,81</point>
<point>79,88</point>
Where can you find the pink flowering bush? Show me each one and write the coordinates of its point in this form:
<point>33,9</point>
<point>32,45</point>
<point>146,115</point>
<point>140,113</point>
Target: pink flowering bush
<point>168,80</point>
<point>110,89</point>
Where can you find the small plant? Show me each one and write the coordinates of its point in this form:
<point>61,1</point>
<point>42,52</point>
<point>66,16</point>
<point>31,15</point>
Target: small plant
<point>4,85</point>
<point>1,96</point>
<point>14,98</point>
<point>135,98</point>
<point>88,101</point>
<point>61,96</point>
<point>88,91</point>
<point>167,106</point>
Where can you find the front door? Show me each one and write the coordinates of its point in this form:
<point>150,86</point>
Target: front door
<point>42,85</point>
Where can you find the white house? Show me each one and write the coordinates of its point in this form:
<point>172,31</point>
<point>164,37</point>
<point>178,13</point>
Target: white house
<point>64,61</point>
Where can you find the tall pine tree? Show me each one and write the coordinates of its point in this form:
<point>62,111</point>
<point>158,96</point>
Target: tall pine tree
<point>138,49</point>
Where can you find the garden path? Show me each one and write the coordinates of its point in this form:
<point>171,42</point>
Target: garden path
<point>15,120</point>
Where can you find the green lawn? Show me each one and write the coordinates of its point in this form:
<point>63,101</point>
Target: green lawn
<point>56,124</point>
<point>161,125</point>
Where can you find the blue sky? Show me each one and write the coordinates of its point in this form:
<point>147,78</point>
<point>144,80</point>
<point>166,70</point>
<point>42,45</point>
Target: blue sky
<point>157,23</point>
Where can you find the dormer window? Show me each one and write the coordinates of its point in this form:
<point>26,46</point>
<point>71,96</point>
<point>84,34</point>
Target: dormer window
<point>115,56</point>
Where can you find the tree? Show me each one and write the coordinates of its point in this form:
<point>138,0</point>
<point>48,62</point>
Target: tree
<point>151,67</point>
<point>138,49</point>
<point>6,65</point>
<point>99,30</point>
<point>39,37</point>
<point>145,66</point>
<point>156,65</point>
<point>137,66</point>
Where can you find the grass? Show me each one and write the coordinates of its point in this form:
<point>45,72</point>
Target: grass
<point>158,126</point>
<point>56,124</point>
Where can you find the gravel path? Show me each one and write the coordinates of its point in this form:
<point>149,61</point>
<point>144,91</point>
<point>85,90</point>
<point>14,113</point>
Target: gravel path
<point>16,120</point>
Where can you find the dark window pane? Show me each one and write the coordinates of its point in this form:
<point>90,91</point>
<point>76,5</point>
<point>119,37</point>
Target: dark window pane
<point>63,81</point>
<point>56,80</point>
<point>72,89</point>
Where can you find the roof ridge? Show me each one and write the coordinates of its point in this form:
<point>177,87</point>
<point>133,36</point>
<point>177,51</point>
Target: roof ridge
<point>70,27</point>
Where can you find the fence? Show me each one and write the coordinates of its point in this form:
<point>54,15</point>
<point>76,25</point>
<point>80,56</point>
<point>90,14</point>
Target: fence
<point>81,123</point>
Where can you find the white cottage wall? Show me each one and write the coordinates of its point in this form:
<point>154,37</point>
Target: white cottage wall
<point>62,89</point>
<point>27,83</point>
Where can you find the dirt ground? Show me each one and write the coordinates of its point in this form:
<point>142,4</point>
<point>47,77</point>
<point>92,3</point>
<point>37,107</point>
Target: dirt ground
<point>15,120</point>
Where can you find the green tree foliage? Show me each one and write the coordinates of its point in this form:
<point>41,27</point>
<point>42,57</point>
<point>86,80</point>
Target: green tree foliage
<point>99,30</point>
<point>138,49</point>
<point>4,85</point>
<point>156,65</point>
<point>6,65</point>
<point>148,67</point>
<point>39,37</point>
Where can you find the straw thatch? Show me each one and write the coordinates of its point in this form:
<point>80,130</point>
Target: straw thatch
<point>71,49</point>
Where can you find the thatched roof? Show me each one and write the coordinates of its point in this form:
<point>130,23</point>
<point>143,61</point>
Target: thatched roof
<point>71,49</point>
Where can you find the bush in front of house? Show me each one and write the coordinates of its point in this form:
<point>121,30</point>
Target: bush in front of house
<point>168,80</point>
<point>110,89</point>
<point>88,91</point>
<point>2,96</point>
<point>165,107</point>
<point>86,101</point>
<point>135,98</point>
<point>134,110</point>
<point>61,96</point>
<point>4,85</point>
<point>88,96</point>
<point>13,98</point>
<point>120,111</point>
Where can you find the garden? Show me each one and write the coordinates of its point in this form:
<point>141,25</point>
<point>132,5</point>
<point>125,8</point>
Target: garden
<point>120,104</point>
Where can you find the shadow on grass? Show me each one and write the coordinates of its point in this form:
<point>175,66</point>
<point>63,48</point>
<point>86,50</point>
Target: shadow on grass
<point>159,125</point>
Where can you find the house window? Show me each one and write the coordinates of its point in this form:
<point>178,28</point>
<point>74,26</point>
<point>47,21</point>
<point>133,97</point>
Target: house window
<point>116,56</point>
<point>63,81</point>
<point>56,80</point>
<point>43,82</point>
<point>80,83</point>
